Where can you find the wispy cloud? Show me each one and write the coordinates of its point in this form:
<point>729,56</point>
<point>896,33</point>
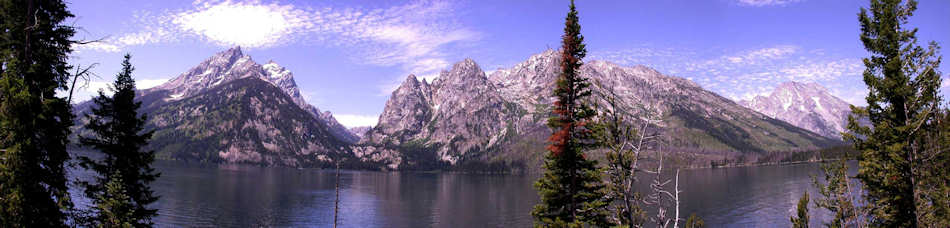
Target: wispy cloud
<point>413,37</point>
<point>350,120</point>
<point>766,2</point>
<point>94,86</point>
<point>762,55</point>
<point>743,74</point>
<point>86,91</point>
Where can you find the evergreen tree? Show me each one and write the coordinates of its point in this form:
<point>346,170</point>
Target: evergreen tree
<point>570,188</point>
<point>114,205</point>
<point>118,134</point>
<point>801,219</point>
<point>837,195</point>
<point>902,104</point>
<point>34,122</point>
<point>934,183</point>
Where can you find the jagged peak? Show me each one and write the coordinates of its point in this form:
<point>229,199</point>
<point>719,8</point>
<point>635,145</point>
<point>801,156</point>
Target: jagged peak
<point>466,63</point>
<point>410,82</point>
<point>548,53</point>
<point>230,53</point>
<point>461,72</point>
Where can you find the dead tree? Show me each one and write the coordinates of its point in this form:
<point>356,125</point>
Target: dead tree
<point>624,137</point>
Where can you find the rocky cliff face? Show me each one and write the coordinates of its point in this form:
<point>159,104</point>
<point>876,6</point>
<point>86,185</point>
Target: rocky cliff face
<point>806,105</point>
<point>360,131</point>
<point>228,108</point>
<point>465,117</point>
<point>440,123</point>
<point>245,120</point>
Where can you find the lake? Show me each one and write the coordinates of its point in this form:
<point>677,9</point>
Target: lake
<point>194,195</point>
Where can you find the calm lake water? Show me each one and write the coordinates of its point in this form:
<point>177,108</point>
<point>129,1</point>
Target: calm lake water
<point>249,196</point>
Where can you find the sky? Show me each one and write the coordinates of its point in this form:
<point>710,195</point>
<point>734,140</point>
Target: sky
<point>348,56</point>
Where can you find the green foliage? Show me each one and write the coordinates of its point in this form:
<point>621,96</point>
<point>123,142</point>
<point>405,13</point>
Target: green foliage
<point>571,191</point>
<point>934,181</point>
<point>623,143</point>
<point>801,219</point>
<point>119,134</point>
<point>115,208</point>
<point>34,122</point>
<point>837,195</point>
<point>903,82</point>
<point>694,222</point>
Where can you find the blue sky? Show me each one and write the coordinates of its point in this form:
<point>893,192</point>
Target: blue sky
<point>347,56</point>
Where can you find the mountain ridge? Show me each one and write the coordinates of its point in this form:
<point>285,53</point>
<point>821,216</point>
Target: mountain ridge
<point>514,103</point>
<point>229,108</point>
<point>807,105</point>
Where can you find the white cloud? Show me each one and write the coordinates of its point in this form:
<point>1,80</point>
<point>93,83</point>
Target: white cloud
<point>352,120</point>
<point>98,46</point>
<point>149,83</point>
<point>767,2</point>
<point>250,24</point>
<point>413,37</point>
<point>823,71</point>
<point>743,74</point>
<point>761,55</point>
<point>92,88</point>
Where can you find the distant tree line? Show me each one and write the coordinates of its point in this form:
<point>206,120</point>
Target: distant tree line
<point>35,124</point>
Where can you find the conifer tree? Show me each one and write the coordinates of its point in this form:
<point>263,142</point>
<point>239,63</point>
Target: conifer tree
<point>903,81</point>
<point>34,122</point>
<point>119,135</point>
<point>838,196</point>
<point>571,189</point>
<point>801,219</point>
<point>114,207</point>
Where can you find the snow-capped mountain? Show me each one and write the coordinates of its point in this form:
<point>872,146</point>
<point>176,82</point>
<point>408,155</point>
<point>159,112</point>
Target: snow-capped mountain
<point>464,118</point>
<point>234,64</point>
<point>806,105</point>
<point>229,108</point>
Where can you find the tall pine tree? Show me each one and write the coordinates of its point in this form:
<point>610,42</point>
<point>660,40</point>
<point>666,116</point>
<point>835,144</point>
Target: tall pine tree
<point>571,190</point>
<point>34,122</point>
<point>902,107</point>
<point>118,134</point>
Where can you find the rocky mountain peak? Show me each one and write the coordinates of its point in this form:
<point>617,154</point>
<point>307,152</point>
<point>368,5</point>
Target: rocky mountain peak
<point>230,53</point>
<point>462,72</point>
<point>275,70</point>
<point>464,115</point>
<point>233,64</point>
<point>806,105</point>
<point>411,82</point>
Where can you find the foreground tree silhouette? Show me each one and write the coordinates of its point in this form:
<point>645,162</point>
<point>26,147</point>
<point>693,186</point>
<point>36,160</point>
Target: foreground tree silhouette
<point>572,193</point>
<point>34,122</point>
<point>118,134</point>
<point>902,107</point>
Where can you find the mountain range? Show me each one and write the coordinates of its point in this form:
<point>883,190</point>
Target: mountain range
<point>468,118</point>
<point>231,109</point>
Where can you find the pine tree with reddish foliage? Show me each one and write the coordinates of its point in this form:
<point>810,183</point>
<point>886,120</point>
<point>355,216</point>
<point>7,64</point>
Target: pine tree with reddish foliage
<point>571,190</point>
